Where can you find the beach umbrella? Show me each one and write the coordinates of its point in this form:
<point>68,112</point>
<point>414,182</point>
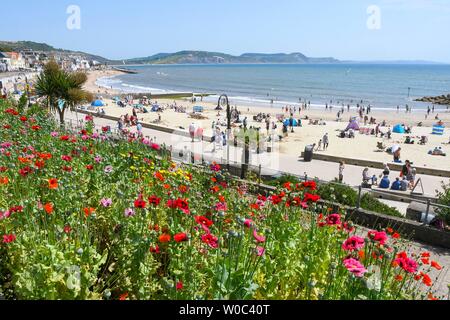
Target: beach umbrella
<point>97,103</point>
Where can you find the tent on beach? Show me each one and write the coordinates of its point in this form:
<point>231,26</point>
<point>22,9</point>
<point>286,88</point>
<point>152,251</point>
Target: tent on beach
<point>287,122</point>
<point>97,103</point>
<point>399,128</point>
<point>353,125</point>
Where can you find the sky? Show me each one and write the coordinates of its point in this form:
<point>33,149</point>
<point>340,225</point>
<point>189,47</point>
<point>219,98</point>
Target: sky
<point>347,30</point>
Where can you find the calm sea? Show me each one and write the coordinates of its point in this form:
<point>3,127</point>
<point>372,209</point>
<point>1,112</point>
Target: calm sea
<point>383,86</point>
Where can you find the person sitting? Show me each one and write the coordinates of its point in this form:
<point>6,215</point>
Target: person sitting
<point>437,152</point>
<point>423,140</point>
<point>385,182</point>
<point>397,185</point>
<point>351,134</point>
<point>366,179</point>
<point>409,140</point>
<point>404,184</point>
<point>374,180</point>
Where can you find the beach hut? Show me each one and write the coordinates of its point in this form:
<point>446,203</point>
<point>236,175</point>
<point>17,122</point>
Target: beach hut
<point>97,103</point>
<point>353,125</point>
<point>399,129</point>
<point>438,130</point>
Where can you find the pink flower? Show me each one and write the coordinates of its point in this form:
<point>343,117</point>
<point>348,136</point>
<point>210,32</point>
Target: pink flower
<point>248,223</point>
<point>258,238</point>
<point>380,237</point>
<point>407,264</point>
<point>260,251</point>
<point>210,240</point>
<point>98,159</point>
<point>106,202</point>
<point>129,213</point>
<point>155,147</point>
<point>355,267</point>
<point>54,134</point>
<point>353,244</point>
<point>221,207</point>
<point>8,238</point>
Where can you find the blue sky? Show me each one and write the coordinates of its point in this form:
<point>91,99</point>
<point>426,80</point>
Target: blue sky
<point>410,29</point>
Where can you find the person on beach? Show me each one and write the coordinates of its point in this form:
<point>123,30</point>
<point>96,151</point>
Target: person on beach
<point>139,129</point>
<point>120,124</point>
<point>406,170</point>
<point>385,182</point>
<point>396,186</point>
<point>412,178</point>
<point>192,129</point>
<point>396,151</point>
<point>326,142</point>
<point>341,171</point>
<point>404,184</point>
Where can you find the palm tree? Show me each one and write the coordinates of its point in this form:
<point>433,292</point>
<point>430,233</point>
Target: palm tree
<point>63,90</point>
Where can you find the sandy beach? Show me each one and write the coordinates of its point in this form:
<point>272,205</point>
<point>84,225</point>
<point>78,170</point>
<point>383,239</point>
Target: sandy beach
<point>361,147</point>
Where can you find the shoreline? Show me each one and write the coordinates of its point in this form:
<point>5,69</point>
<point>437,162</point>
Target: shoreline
<point>254,102</point>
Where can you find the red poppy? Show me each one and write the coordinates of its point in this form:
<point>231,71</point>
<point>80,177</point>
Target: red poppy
<point>88,211</point>
<point>179,285</point>
<point>210,240</point>
<point>53,184</point>
<point>426,280</point>
<point>4,181</point>
<point>159,176</point>
<point>25,171</point>
<point>155,249</point>
<point>123,296</point>
<point>436,265</point>
<point>311,197</point>
<point>164,238</point>
<point>203,221</point>
<point>67,229</point>
<point>64,138</point>
<point>154,200</point>
<point>180,237</point>
<point>48,208</point>
<point>67,169</point>
<point>90,167</point>
<point>141,204</point>
<point>8,238</point>
<point>399,277</point>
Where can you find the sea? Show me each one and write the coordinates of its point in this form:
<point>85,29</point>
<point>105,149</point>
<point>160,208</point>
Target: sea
<point>383,86</point>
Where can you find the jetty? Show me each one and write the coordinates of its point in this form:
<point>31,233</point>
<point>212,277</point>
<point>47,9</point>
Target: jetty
<point>124,70</point>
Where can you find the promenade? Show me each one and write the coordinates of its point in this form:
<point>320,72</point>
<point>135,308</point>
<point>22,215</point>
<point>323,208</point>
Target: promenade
<point>272,163</point>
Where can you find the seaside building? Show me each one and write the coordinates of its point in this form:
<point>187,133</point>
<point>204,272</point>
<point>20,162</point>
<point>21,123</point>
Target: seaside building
<point>5,62</point>
<point>17,61</point>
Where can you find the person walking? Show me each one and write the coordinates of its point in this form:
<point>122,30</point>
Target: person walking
<point>326,142</point>
<point>341,171</point>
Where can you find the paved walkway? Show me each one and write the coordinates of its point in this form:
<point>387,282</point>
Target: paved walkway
<point>272,163</point>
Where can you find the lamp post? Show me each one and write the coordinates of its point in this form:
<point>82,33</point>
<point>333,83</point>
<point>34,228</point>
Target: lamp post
<point>224,96</point>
